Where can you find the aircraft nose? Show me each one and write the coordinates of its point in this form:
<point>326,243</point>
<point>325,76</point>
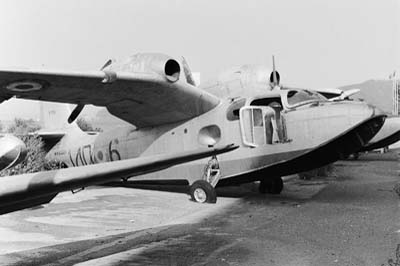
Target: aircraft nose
<point>359,112</point>
<point>376,111</point>
<point>12,151</point>
<point>366,121</point>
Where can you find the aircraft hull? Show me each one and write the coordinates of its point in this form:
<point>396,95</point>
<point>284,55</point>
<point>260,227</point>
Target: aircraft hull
<point>389,134</point>
<point>320,133</point>
<point>302,153</point>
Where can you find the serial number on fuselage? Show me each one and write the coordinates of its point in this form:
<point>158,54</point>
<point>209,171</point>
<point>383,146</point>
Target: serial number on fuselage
<point>87,154</point>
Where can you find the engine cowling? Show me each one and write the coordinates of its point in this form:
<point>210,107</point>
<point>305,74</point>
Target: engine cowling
<point>241,81</point>
<point>160,64</point>
<point>12,151</point>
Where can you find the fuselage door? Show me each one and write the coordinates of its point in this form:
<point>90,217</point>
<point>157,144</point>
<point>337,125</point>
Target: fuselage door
<point>252,126</point>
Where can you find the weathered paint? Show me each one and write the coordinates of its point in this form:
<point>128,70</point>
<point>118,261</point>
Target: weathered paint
<point>307,126</point>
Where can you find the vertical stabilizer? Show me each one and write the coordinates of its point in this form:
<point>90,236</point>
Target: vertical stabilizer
<point>54,117</point>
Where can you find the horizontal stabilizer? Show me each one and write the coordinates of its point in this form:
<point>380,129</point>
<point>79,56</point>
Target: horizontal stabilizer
<point>49,138</point>
<point>50,135</point>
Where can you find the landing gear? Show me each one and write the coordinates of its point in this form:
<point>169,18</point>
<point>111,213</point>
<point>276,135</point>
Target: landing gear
<point>271,185</point>
<point>203,192</point>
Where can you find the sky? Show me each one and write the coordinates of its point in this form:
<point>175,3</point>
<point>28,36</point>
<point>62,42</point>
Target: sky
<point>316,43</point>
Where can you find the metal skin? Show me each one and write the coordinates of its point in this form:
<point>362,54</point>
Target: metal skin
<point>309,126</point>
<point>28,190</point>
<point>387,135</point>
<point>172,116</point>
<point>305,129</point>
<point>12,151</point>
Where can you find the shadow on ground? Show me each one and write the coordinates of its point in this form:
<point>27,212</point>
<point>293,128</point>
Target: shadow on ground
<point>216,240</point>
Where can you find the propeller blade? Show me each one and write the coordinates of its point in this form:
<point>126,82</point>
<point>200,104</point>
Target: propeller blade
<point>109,62</point>
<point>188,72</point>
<point>274,78</point>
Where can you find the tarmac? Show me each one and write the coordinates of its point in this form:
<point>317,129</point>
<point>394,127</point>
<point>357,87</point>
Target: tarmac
<point>350,217</point>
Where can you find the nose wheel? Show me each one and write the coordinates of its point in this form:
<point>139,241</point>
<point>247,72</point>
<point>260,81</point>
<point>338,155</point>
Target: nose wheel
<point>203,192</point>
<point>271,185</point>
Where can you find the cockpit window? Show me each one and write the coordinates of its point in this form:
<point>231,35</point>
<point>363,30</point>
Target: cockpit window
<point>300,97</point>
<point>267,101</point>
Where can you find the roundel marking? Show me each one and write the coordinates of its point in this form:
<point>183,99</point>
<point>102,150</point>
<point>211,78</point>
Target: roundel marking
<point>24,86</point>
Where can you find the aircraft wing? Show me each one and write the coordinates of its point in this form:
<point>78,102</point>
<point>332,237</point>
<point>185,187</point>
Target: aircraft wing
<point>142,99</point>
<point>23,191</point>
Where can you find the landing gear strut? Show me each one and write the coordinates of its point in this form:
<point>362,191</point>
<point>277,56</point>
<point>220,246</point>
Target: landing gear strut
<point>271,185</point>
<point>203,191</point>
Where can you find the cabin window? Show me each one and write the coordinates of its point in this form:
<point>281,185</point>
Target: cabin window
<point>267,101</point>
<point>300,97</point>
<point>328,95</point>
<point>232,112</point>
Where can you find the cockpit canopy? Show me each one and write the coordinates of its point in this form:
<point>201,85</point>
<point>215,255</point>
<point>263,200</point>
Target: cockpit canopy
<point>279,100</point>
<point>287,99</point>
<point>295,98</point>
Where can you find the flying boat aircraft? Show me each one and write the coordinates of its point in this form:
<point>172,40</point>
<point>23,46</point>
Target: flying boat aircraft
<point>278,131</point>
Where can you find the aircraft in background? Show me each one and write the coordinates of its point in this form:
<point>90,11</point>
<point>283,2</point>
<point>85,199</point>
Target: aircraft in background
<point>278,131</point>
<point>387,135</point>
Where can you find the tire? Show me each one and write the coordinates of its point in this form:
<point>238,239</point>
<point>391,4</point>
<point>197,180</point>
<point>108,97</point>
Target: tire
<point>278,186</point>
<point>271,185</point>
<point>262,187</point>
<point>202,192</point>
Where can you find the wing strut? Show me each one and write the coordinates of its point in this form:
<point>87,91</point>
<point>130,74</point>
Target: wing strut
<point>78,109</point>
<point>74,114</point>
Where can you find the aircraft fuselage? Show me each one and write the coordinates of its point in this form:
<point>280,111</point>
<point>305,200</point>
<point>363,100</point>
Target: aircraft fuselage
<point>303,126</point>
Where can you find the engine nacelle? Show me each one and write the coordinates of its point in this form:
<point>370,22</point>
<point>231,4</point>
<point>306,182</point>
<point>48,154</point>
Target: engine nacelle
<point>160,64</point>
<point>242,81</point>
<point>12,151</point>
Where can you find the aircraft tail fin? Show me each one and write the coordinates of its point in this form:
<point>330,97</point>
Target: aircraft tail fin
<point>54,118</point>
<point>54,123</point>
<point>188,73</point>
